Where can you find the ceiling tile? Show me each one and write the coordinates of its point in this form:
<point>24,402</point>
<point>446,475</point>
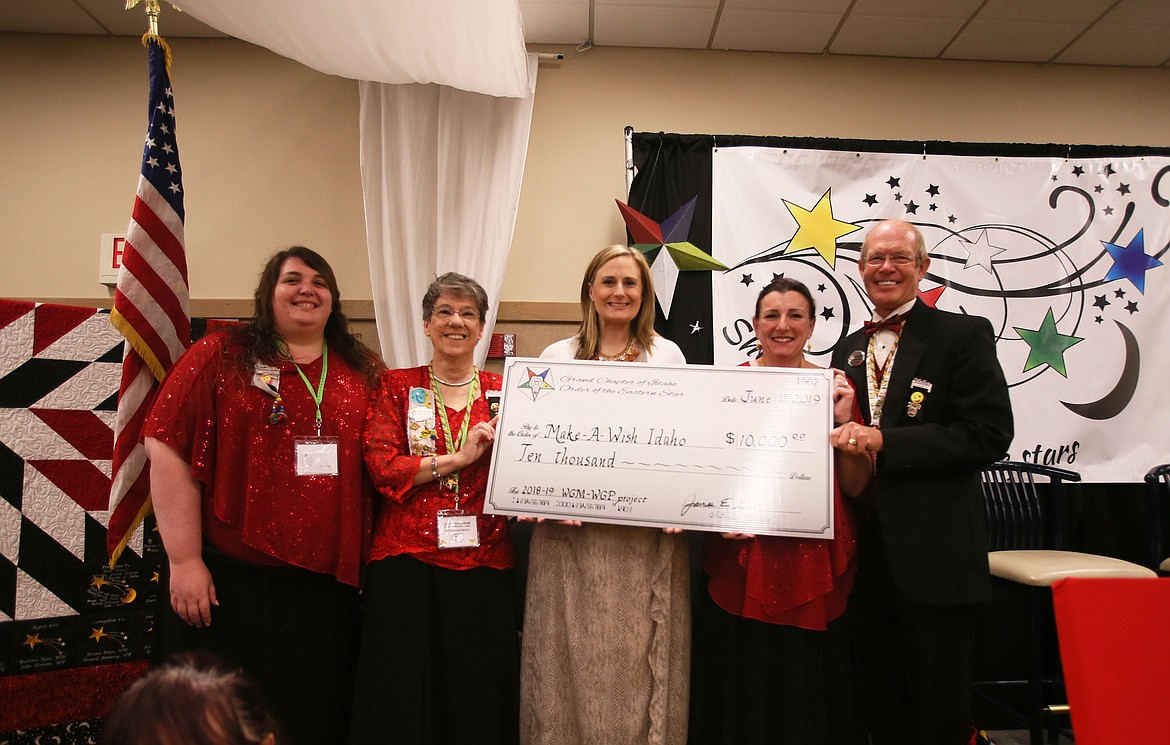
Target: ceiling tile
<point>555,23</point>
<point>895,37</point>
<point>794,6</point>
<point>122,22</point>
<point>762,31</point>
<point>1140,12</point>
<point>629,26</point>
<point>47,17</point>
<point>1120,45</point>
<point>665,4</point>
<point>1044,11</point>
<point>1012,41</point>
<point>916,8</point>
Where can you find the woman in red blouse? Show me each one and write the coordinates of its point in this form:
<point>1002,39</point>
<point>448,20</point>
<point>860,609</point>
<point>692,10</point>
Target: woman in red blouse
<point>257,481</point>
<point>439,658</point>
<point>771,659</point>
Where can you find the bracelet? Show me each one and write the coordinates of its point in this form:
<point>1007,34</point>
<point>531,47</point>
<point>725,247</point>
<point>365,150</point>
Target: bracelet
<point>435,467</point>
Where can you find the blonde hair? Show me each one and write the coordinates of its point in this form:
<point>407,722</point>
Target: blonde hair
<point>641,328</point>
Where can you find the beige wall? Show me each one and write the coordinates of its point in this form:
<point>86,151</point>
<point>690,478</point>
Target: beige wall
<point>270,149</point>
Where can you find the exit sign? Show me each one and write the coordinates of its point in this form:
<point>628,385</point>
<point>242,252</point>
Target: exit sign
<point>113,247</point>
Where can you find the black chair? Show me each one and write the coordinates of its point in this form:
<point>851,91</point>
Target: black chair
<point>1158,486</point>
<point>1028,540</point>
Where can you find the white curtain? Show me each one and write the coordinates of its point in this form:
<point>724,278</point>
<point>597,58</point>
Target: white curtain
<point>441,172</point>
<point>472,45</point>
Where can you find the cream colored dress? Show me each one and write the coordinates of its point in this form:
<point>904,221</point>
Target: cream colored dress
<point>607,630</point>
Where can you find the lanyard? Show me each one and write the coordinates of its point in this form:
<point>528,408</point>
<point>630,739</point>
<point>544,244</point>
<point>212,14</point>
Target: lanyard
<point>875,388</point>
<point>318,394</point>
<point>451,481</point>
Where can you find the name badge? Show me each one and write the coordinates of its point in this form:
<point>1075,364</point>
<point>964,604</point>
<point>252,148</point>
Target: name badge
<point>266,378</point>
<point>458,529</point>
<point>316,456</point>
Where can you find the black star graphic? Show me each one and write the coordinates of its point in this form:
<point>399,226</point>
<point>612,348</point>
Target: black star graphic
<point>826,313</point>
<point>932,191</point>
<point>1054,177</point>
<point>933,206</point>
<point>898,197</point>
<point>1119,293</point>
<point>1131,306</point>
<point>911,208</point>
<point>951,218</point>
<point>1108,210</point>
<point>747,280</point>
<point>1108,170</point>
<point>1098,319</point>
<point>1078,171</point>
<point>820,288</point>
<point>894,182</point>
<point>1098,188</point>
<point>870,199</point>
<point>1124,188</point>
<point>1099,301</point>
<point>776,276</point>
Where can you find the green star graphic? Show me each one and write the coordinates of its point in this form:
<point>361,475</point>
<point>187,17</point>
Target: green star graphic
<point>1047,345</point>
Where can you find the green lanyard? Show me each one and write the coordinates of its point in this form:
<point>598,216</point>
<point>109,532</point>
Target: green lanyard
<point>451,481</point>
<point>319,394</point>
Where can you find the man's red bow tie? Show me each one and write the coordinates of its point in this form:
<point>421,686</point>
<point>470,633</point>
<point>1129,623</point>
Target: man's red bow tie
<point>893,323</point>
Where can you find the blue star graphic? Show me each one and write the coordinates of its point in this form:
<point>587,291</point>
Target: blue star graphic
<point>1131,262</point>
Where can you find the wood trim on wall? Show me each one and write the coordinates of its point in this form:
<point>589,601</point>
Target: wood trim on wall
<point>355,310</point>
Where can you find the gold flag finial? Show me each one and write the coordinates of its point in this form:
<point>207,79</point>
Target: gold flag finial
<point>152,11</point>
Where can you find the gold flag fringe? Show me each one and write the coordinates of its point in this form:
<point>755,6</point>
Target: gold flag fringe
<point>149,37</point>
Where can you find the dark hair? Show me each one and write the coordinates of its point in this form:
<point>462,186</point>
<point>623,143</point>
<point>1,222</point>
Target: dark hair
<point>259,337</point>
<point>641,327</point>
<point>194,698</point>
<point>458,285</point>
<point>786,284</point>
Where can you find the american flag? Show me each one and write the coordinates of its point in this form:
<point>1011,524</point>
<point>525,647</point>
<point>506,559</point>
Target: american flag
<point>151,301</point>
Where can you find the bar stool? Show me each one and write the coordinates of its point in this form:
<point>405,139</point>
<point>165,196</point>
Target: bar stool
<point>1027,540</point>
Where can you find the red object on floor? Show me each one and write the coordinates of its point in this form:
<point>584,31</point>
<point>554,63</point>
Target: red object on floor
<point>1115,648</point>
<point>62,696</point>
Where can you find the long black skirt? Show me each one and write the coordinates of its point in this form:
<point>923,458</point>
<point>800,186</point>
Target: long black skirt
<point>755,682</point>
<point>294,632</point>
<point>440,656</point>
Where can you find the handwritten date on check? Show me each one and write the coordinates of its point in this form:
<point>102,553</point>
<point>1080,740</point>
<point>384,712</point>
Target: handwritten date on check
<point>742,449</point>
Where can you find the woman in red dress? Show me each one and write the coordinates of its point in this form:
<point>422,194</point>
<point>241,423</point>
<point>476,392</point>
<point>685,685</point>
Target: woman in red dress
<point>262,501</point>
<point>440,655</point>
<point>771,643</point>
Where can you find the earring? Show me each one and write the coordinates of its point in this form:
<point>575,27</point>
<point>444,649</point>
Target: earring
<point>808,345</point>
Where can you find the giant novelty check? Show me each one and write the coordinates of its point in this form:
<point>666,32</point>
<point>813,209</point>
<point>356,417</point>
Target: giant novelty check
<point>742,449</point>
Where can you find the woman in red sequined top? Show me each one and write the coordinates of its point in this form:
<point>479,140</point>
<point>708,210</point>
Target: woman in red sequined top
<point>262,502</point>
<point>771,645</point>
<point>439,658</point>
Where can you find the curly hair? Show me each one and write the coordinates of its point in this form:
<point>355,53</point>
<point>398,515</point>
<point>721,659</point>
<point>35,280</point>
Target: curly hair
<point>261,341</point>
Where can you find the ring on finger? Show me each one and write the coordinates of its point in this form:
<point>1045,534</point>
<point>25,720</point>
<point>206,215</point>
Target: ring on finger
<point>852,440</point>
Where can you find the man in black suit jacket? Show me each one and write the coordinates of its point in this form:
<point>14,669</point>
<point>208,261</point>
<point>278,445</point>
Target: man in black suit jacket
<point>936,404</point>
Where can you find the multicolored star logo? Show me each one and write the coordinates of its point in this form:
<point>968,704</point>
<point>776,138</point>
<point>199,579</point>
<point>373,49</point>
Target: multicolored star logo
<point>680,255</point>
<point>537,383</point>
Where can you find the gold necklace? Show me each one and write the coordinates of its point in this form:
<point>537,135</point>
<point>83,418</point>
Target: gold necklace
<point>629,354</point>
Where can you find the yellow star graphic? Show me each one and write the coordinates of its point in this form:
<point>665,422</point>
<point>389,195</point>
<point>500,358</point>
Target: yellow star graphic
<point>818,229</point>
<point>98,634</point>
<point>32,640</point>
<point>98,581</point>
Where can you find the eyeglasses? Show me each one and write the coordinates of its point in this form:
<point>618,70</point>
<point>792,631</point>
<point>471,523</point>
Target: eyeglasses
<point>895,259</point>
<point>446,314</point>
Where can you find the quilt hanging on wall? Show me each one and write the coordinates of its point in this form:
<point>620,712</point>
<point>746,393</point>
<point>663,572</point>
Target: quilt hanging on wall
<point>61,606</point>
<point>1065,255</point>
